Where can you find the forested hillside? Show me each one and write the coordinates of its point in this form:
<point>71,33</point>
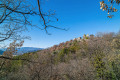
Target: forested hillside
<point>85,58</point>
<point>44,23</point>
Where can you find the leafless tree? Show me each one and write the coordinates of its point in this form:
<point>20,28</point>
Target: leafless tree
<point>8,54</point>
<point>15,17</point>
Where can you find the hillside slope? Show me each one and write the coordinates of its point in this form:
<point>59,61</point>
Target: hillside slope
<point>87,58</point>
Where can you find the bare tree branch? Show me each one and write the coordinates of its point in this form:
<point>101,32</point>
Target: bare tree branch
<point>8,58</point>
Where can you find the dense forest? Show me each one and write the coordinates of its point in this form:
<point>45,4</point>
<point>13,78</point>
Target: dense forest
<point>85,58</point>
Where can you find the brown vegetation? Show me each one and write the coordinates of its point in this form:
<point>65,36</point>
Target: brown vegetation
<point>90,58</point>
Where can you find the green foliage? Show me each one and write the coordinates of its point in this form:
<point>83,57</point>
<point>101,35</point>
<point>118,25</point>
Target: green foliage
<point>61,55</point>
<point>115,64</point>
<point>85,36</point>
<point>99,66</point>
<point>73,48</point>
<point>102,72</point>
<point>54,52</point>
<point>116,43</point>
<point>110,75</point>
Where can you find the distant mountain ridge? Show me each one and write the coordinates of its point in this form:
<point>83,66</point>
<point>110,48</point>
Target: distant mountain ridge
<point>1,52</point>
<point>23,50</point>
<point>28,49</point>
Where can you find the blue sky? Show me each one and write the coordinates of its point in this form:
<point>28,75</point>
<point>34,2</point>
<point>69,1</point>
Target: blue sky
<point>80,16</point>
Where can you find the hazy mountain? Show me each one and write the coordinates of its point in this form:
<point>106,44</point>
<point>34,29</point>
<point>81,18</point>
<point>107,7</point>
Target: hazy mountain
<point>23,50</point>
<point>28,49</point>
<point>1,52</point>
